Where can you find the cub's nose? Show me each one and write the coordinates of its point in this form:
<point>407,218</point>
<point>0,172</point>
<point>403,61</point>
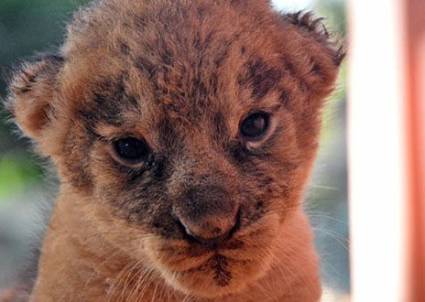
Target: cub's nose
<point>208,214</point>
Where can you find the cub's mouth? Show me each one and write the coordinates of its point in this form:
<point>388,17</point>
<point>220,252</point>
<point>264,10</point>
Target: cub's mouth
<point>219,266</point>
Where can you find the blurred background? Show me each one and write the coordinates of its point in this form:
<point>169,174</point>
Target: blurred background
<point>28,185</point>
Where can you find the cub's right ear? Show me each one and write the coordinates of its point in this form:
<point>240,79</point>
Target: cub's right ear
<point>32,93</point>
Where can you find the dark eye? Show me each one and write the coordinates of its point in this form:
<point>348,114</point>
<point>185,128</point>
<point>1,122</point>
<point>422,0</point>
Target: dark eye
<point>255,126</point>
<point>131,149</point>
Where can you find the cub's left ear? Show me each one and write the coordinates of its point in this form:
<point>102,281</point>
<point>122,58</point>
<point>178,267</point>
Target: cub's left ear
<point>325,53</point>
<point>313,27</point>
<point>32,93</point>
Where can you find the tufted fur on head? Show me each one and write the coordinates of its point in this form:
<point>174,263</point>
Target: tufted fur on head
<point>208,214</point>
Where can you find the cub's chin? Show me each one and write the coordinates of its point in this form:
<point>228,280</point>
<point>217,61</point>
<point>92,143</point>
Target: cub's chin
<point>211,272</point>
<point>217,276</point>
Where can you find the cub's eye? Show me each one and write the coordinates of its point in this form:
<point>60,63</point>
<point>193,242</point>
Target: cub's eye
<point>131,149</point>
<point>255,126</point>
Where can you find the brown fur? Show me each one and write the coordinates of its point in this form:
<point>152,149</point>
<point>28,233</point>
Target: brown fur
<point>180,75</point>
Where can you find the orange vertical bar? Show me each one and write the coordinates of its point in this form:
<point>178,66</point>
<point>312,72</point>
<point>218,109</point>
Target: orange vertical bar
<point>416,141</point>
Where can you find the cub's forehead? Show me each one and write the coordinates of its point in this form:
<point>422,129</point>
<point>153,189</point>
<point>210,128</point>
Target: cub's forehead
<point>192,59</point>
<point>183,58</point>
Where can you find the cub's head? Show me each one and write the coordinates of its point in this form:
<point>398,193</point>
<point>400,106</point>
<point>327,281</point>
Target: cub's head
<point>191,124</point>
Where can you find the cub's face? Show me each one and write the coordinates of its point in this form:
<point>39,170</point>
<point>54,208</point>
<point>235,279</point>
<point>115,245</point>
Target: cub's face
<point>192,125</point>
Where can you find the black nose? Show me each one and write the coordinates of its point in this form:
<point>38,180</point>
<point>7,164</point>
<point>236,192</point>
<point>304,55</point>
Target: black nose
<point>208,214</point>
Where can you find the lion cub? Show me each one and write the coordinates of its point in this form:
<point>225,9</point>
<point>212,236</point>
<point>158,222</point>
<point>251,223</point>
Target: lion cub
<point>184,133</point>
